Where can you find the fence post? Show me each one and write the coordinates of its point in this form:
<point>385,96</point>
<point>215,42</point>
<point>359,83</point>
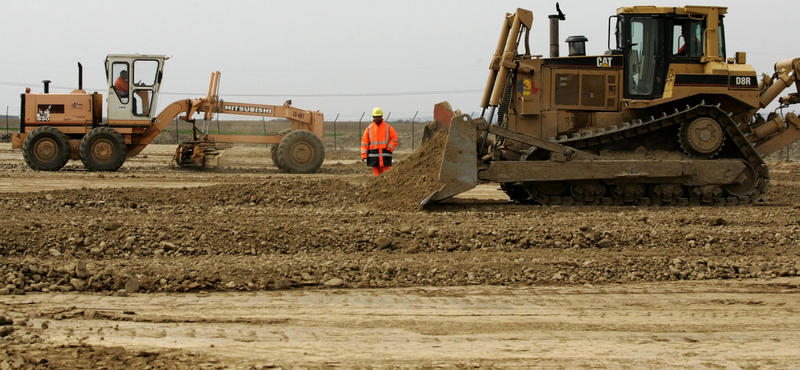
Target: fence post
<point>359,126</point>
<point>334,130</point>
<point>788,147</point>
<point>218,131</point>
<point>177,139</point>
<point>412,130</point>
<point>9,135</point>
<point>265,130</point>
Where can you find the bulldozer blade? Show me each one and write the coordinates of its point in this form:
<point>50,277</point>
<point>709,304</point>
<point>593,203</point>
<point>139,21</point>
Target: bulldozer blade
<point>459,169</point>
<point>442,115</point>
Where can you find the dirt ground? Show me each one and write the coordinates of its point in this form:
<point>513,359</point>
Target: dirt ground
<point>155,267</point>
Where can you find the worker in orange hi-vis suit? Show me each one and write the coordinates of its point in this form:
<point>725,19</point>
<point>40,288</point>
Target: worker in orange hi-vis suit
<point>121,84</point>
<point>378,143</point>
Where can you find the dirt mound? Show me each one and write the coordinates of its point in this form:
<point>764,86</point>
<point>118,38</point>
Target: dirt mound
<point>335,168</point>
<point>408,183</point>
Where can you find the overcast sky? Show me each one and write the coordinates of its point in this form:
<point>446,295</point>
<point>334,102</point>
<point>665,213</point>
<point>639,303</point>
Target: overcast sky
<point>339,57</point>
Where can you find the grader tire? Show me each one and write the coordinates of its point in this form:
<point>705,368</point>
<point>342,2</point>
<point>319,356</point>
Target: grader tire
<point>274,154</point>
<point>46,149</point>
<point>274,150</point>
<point>103,149</point>
<point>300,152</point>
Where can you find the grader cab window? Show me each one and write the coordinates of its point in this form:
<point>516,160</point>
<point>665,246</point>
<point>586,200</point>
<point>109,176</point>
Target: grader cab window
<point>145,73</point>
<point>642,56</point>
<point>141,102</point>
<point>120,75</point>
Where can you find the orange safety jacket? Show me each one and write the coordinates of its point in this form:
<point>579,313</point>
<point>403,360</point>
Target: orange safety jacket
<point>121,86</point>
<point>378,143</point>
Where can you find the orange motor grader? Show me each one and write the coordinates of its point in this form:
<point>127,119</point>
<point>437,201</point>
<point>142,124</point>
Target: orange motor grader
<point>663,117</point>
<point>55,128</point>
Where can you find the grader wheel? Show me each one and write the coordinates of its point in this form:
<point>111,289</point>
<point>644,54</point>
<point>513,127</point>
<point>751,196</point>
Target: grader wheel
<point>274,150</point>
<point>103,149</point>
<point>300,151</point>
<point>46,149</point>
<point>274,154</point>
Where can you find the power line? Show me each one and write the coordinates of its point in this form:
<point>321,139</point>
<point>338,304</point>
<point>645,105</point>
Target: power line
<point>58,87</point>
<point>408,93</point>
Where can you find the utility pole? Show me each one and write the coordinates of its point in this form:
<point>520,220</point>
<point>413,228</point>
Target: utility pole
<point>334,130</point>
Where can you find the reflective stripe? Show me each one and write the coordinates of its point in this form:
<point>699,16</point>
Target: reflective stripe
<point>372,133</point>
<point>379,155</point>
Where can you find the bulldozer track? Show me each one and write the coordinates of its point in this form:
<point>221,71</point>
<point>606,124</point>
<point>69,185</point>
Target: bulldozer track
<point>526,193</point>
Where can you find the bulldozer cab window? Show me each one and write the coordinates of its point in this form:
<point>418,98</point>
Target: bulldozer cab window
<point>687,38</point>
<point>641,58</point>
<point>721,34</point>
<point>119,80</point>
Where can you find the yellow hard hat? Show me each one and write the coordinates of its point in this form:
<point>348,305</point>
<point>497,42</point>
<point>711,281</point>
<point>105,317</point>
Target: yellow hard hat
<point>377,112</point>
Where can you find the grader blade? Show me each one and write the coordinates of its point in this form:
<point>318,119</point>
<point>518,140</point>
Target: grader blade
<point>201,154</point>
<point>213,159</point>
<point>459,169</point>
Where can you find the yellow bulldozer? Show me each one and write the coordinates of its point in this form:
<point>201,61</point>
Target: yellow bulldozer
<point>55,128</point>
<point>664,117</point>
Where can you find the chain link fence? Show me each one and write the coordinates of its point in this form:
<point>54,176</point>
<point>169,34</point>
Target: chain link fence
<point>344,135</point>
<point>10,125</point>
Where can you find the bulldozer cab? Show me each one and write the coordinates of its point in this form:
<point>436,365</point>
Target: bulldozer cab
<point>133,84</point>
<point>593,130</point>
<point>652,39</point>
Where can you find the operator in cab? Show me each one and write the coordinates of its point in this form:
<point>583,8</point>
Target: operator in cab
<point>378,143</point>
<point>121,84</point>
<point>692,46</point>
